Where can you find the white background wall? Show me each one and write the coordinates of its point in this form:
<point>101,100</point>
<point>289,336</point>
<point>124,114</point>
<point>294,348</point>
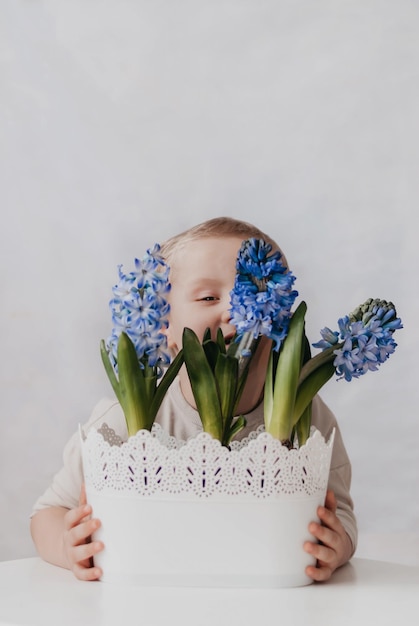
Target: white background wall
<point>124,122</point>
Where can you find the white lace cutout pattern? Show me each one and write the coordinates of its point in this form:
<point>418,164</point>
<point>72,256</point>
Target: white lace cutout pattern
<point>156,464</point>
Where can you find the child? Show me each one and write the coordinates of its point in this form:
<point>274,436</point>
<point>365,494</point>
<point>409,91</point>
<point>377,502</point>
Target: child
<point>202,262</point>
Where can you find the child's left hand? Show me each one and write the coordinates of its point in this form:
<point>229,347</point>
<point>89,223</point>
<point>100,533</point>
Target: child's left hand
<point>335,547</point>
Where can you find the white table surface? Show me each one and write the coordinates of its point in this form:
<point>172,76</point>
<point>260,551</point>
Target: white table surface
<point>363,592</point>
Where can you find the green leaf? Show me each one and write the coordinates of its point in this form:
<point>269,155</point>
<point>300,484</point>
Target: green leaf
<point>235,428</point>
<point>286,377</point>
<point>221,341</point>
<point>109,370</point>
<point>235,349</point>
<point>309,386</point>
<point>212,351</point>
<point>226,371</point>
<point>132,387</point>
<point>314,374</point>
<point>207,335</point>
<point>303,425</point>
<point>167,379</point>
<point>150,384</point>
<point>306,353</point>
<point>203,384</point>
<point>326,356</point>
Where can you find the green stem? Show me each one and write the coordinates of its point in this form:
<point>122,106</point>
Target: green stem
<point>327,356</point>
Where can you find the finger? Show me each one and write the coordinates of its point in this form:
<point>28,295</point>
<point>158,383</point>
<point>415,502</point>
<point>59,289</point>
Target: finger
<point>325,535</point>
<point>82,532</point>
<point>75,516</point>
<point>319,574</point>
<point>323,554</point>
<point>330,501</point>
<point>82,497</point>
<point>86,573</point>
<point>328,518</point>
<point>84,553</point>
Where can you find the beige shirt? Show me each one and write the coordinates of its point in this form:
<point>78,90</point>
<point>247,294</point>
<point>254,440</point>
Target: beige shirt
<point>182,421</point>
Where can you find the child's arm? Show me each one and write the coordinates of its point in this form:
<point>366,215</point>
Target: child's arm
<point>335,547</point>
<point>62,537</point>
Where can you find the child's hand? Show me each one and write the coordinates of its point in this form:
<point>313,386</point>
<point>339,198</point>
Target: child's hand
<point>335,547</point>
<point>79,549</point>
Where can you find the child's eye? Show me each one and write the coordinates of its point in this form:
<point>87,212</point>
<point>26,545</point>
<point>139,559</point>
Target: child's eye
<point>208,299</point>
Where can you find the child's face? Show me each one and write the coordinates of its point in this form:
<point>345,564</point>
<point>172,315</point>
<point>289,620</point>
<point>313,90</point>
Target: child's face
<point>202,277</point>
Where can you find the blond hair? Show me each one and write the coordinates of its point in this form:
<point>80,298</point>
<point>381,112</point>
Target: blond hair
<point>221,227</point>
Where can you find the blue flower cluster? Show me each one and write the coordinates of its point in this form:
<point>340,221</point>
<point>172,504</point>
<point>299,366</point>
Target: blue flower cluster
<point>139,309</point>
<point>262,297</point>
<point>365,338</point>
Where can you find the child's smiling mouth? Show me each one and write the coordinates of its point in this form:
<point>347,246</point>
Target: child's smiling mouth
<point>229,338</point>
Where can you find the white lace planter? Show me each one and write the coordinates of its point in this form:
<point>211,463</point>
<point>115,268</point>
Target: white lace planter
<point>199,514</point>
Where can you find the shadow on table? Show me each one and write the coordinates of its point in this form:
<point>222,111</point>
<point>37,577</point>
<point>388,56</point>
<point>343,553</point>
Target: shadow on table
<point>375,573</point>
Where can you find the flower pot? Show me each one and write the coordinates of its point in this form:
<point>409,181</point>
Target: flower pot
<point>198,514</point>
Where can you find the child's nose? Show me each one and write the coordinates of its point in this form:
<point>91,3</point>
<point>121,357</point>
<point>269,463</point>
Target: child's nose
<point>226,316</point>
<point>227,328</point>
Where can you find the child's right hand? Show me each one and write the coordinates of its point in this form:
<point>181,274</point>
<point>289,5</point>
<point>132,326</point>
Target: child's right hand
<point>78,547</point>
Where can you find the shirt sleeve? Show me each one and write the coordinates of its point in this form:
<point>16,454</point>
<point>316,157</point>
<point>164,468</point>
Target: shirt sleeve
<point>64,490</point>
<point>340,468</point>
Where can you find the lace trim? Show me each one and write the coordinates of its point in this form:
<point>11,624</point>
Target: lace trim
<point>156,464</point>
